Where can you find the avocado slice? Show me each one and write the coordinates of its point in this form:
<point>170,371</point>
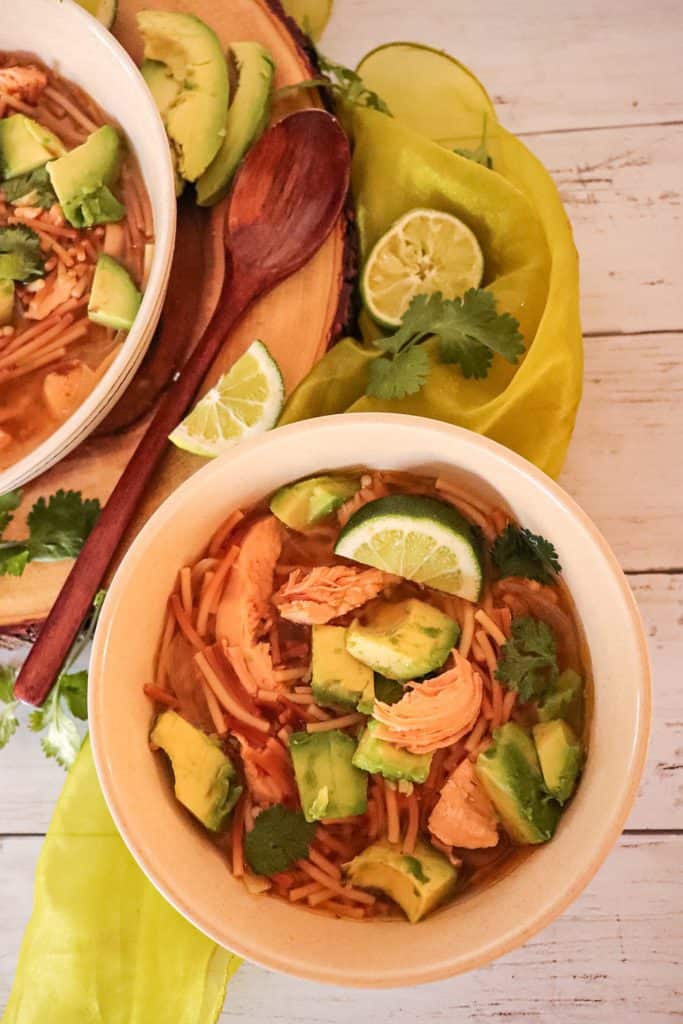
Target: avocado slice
<point>329,784</point>
<point>114,299</point>
<point>337,679</point>
<point>303,504</point>
<point>403,641</point>
<point>510,773</point>
<point>389,691</point>
<point>247,117</point>
<point>164,89</point>
<point>377,756</point>
<point>561,756</point>
<point>192,54</point>
<point>25,145</point>
<point>418,882</point>
<point>564,700</point>
<point>6,302</point>
<point>80,179</point>
<point>204,776</point>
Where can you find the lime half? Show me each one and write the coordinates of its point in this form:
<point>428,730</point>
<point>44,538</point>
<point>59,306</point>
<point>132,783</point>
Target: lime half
<point>418,538</point>
<point>103,10</point>
<point>426,251</point>
<point>247,400</point>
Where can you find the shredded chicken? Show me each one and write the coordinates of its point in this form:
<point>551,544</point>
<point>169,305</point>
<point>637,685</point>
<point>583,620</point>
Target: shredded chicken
<point>26,83</point>
<point>316,596</point>
<point>464,815</point>
<point>435,713</point>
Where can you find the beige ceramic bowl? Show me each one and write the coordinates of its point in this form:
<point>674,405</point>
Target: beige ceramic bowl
<point>179,858</point>
<point>72,42</point>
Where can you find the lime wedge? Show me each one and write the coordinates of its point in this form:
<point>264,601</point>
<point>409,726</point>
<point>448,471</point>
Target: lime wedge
<point>418,538</point>
<point>425,251</point>
<point>103,10</point>
<point>247,400</point>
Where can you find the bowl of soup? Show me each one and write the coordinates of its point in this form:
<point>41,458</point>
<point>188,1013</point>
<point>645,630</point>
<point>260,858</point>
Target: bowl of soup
<point>87,226</point>
<point>415,680</point>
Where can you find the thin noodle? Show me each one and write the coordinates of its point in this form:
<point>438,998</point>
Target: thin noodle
<point>186,590</point>
<point>393,825</point>
<point>214,709</point>
<point>212,594</point>
<point>336,723</point>
<point>467,631</point>
<point>226,699</point>
<point>223,532</point>
<point>491,628</point>
<point>185,624</point>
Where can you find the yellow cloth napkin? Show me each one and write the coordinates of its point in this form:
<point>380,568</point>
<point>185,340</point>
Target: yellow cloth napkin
<point>408,161</point>
<point>102,946</point>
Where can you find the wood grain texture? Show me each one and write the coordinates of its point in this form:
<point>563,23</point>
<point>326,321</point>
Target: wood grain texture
<point>604,960</point>
<point>548,66</point>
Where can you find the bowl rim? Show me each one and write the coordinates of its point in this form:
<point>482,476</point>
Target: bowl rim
<point>119,374</point>
<point>510,937</point>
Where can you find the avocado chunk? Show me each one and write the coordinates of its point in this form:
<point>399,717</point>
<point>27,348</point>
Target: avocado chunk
<point>247,117</point>
<point>25,145</point>
<point>6,302</point>
<point>564,700</point>
<point>205,780</point>
<point>418,882</point>
<point>337,679</point>
<point>114,299</point>
<point>305,503</point>
<point>379,757</point>
<point>329,784</point>
<point>511,775</point>
<point>389,691</point>
<point>192,55</point>
<point>164,89</point>
<point>80,179</point>
<point>404,640</point>
<point>561,756</point>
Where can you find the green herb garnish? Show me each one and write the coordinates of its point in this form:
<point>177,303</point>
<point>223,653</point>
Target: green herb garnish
<point>518,552</point>
<point>279,838</point>
<point>528,662</point>
<point>469,329</point>
<point>20,255</point>
<point>58,528</point>
<point>342,82</point>
<point>32,189</point>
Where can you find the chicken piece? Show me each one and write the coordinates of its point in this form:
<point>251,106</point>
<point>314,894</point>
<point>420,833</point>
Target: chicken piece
<point>57,289</point>
<point>26,83</point>
<point>316,596</point>
<point>66,387</point>
<point>435,713</point>
<point>464,815</point>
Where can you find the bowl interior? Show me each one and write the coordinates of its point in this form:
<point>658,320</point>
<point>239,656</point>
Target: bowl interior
<point>190,871</point>
<point>78,47</point>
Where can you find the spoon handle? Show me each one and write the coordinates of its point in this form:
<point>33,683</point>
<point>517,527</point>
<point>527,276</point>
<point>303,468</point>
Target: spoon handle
<point>64,621</point>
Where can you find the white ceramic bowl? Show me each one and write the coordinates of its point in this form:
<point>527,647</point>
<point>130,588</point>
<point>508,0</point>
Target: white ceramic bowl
<point>78,47</point>
<point>182,862</point>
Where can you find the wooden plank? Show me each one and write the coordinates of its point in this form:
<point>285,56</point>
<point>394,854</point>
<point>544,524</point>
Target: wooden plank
<point>623,192</point>
<point>608,958</point>
<point>623,465</point>
<point>30,784</point>
<point>548,66</point>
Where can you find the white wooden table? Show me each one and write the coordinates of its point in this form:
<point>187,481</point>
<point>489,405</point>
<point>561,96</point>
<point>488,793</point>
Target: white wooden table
<point>596,89</point>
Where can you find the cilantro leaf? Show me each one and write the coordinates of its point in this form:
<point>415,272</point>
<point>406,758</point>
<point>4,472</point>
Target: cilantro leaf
<point>62,739</point>
<point>32,189</point>
<point>8,503</point>
<point>9,722</point>
<point>14,557</point>
<point>518,552</point>
<point>279,838</point>
<point>480,155</point>
<point>20,255</point>
<point>342,82</point>
<point>470,330</point>
<point>74,688</point>
<point>403,375</point>
<point>528,662</point>
<point>59,527</point>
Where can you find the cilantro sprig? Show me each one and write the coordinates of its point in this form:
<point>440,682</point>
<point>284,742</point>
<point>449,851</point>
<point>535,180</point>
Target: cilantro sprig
<point>21,258</point>
<point>32,189</point>
<point>279,838</point>
<point>57,529</point>
<point>66,702</point>
<point>470,332</point>
<point>519,552</point>
<point>342,82</point>
<point>528,662</point>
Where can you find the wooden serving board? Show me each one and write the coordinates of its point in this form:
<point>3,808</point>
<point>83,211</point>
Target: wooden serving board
<point>297,321</point>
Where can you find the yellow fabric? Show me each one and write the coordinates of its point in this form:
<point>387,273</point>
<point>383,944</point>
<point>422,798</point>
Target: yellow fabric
<point>531,264</point>
<point>102,946</point>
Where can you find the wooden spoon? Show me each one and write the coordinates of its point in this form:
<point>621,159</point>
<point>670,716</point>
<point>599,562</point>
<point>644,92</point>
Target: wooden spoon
<point>285,200</point>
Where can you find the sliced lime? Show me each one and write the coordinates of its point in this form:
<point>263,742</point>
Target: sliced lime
<point>418,538</point>
<point>103,10</point>
<point>247,400</point>
<point>425,251</point>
